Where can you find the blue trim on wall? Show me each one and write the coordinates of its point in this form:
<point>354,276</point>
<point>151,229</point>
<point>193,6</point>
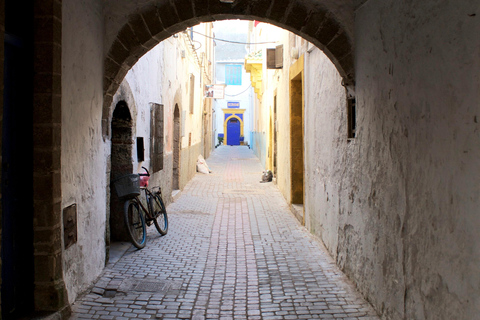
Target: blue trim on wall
<point>227,115</point>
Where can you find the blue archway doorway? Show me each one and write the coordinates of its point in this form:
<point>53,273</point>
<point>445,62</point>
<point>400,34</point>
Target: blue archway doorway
<point>233,132</point>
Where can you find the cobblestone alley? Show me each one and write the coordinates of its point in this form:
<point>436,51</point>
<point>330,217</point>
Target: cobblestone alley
<point>233,251</point>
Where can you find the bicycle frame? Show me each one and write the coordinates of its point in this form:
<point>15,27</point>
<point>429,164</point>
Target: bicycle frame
<point>153,212</point>
<point>148,195</point>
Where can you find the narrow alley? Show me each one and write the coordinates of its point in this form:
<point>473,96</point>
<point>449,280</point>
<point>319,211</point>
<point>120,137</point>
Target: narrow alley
<point>233,251</point>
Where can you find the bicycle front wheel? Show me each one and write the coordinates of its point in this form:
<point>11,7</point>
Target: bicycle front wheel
<point>159,212</point>
<point>135,223</point>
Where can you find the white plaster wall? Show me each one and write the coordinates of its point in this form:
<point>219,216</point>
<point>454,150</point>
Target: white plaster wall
<point>325,145</point>
<point>398,206</point>
<point>186,66</point>
<point>417,75</point>
<point>145,82</point>
<point>162,76</point>
<point>83,150</point>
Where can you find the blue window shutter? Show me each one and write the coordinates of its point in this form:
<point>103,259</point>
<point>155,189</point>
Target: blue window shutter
<point>233,74</point>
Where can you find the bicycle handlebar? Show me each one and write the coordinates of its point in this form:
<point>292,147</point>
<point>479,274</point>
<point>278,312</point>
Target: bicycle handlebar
<point>144,174</point>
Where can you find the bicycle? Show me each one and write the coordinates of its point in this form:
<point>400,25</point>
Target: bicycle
<point>137,216</point>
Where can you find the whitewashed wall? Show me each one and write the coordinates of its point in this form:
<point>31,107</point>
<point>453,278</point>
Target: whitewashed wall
<point>326,146</point>
<point>160,76</point>
<point>83,150</point>
<point>418,91</point>
<point>398,206</point>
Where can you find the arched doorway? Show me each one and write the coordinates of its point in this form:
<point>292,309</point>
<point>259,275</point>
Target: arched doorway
<point>176,149</point>
<point>233,132</point>
<point>121,164</point>
<point>326,24</point>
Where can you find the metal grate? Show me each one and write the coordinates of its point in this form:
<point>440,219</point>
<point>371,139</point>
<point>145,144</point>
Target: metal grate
<point>152,286</point>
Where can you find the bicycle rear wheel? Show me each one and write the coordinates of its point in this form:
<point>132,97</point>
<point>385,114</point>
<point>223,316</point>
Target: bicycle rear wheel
<point>159,214</point>
<point>135,223</point>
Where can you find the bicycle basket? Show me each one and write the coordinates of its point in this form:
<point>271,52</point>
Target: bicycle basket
<point>128,186</point>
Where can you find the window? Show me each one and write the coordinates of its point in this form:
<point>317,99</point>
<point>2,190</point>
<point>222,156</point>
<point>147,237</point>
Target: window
<point>233,74</point>
<point>352,117</point>
<point>156,136</point>
<point>140,150</point>
<point>275,57</point>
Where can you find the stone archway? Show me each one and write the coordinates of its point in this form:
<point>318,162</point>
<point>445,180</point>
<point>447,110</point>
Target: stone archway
<point>121,164</point>
<point>326,24</point>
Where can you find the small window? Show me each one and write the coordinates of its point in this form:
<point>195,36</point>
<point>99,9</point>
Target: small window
<point>275,57</point>
<point>352,117</point>
<point>192,93</point>
<point>140,149</point>
<point>233,74</point>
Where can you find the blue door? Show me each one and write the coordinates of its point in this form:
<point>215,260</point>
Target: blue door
<point>233,132</point>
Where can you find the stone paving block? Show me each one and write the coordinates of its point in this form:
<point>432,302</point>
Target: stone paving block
<point>234,251</point>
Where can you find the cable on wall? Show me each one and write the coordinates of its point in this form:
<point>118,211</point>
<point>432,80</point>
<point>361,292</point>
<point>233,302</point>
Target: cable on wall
<point>234,95</point>
<point>230,41</point>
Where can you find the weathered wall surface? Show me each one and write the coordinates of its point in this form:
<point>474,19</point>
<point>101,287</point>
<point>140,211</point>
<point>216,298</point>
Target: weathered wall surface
<point>160,77</point>
<point>398,206</point>
<point>259,146</point>
<point>325,146</point>
<point>188,163</point>
<point>145,80</point>
<point>83,153</point>
<point>422,84</point>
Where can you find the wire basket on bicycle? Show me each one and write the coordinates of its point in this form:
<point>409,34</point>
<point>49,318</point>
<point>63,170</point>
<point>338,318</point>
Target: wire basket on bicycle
<point>127,186</point>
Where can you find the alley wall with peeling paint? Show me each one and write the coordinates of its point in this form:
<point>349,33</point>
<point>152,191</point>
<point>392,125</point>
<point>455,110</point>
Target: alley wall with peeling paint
<point>84,153</point>
<point>397,206</point>
<point>408,241</point>
<point>160,77</point>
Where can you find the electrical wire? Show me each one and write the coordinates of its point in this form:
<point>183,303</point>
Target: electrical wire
<point>234,95</point>
<point>230,41</point>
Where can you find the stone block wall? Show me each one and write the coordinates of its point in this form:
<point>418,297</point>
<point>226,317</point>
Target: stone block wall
<point>50,292</point>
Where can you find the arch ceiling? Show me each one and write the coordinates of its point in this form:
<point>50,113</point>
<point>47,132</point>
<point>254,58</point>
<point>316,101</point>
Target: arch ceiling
<point>133,27</point>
